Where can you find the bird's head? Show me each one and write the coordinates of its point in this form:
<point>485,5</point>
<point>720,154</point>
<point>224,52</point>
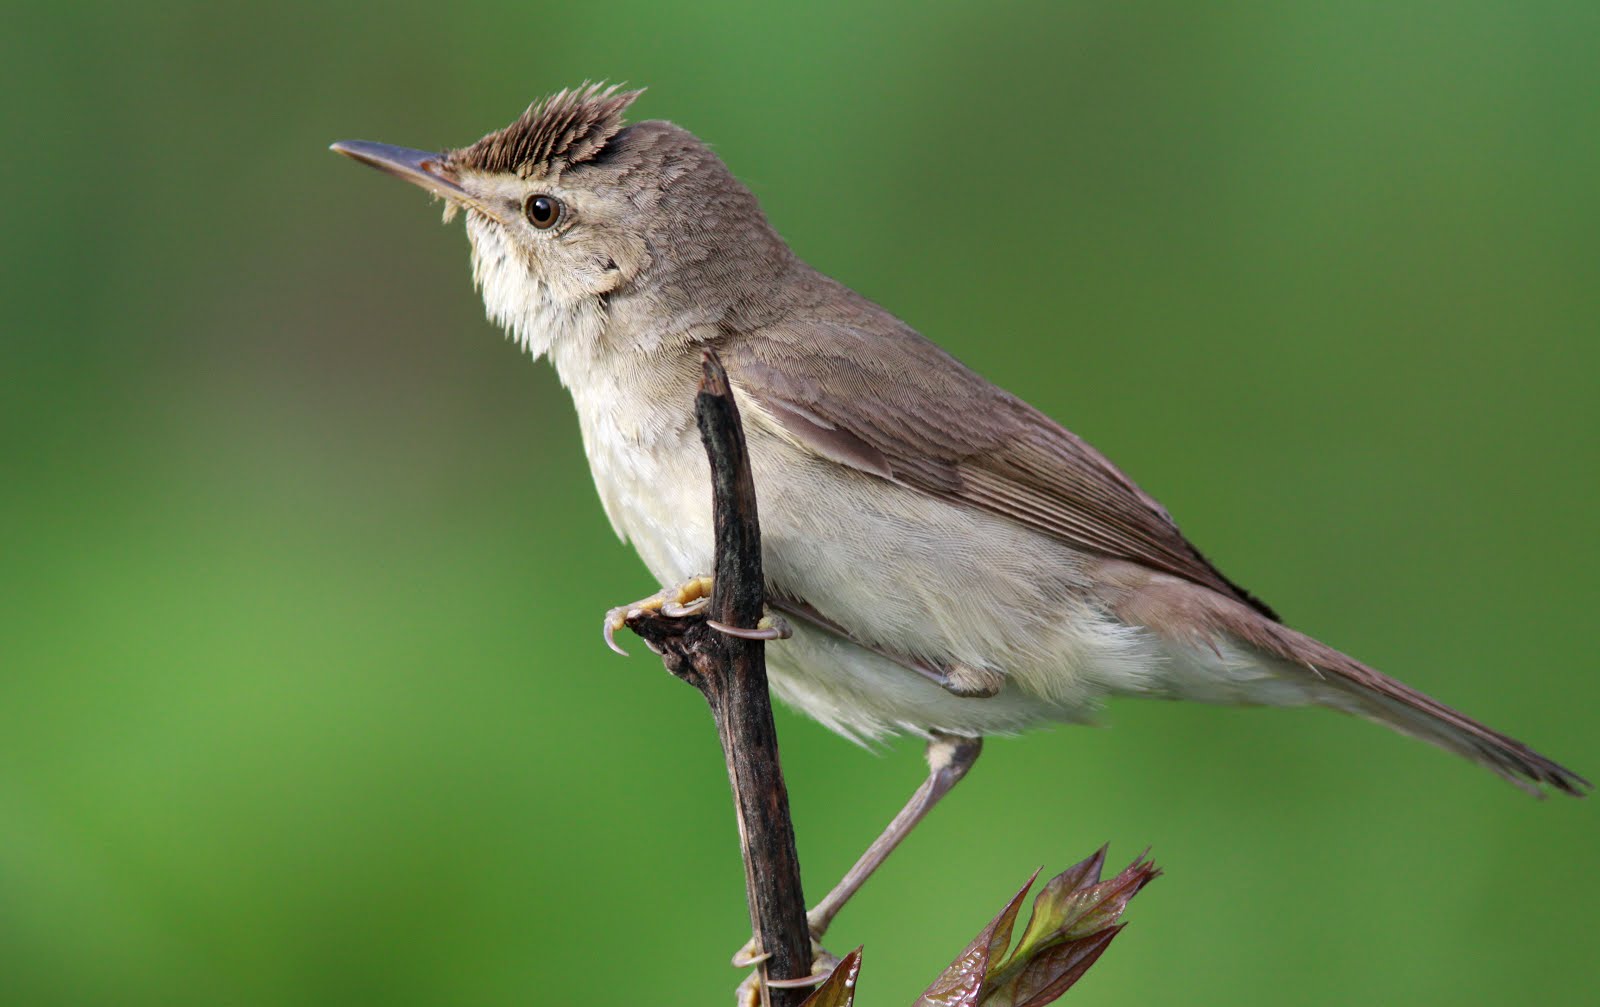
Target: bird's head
<point>575,217</point>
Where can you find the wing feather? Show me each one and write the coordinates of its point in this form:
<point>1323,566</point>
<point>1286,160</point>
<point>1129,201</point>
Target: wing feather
<point>847,392</point>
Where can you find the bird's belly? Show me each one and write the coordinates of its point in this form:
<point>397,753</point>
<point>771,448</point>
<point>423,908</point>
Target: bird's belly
<point>899,570</point>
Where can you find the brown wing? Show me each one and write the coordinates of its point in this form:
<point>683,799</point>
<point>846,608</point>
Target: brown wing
<point>843,388</point>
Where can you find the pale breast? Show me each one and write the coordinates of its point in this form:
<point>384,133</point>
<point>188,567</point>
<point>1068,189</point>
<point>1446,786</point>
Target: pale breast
<point>648,465</point>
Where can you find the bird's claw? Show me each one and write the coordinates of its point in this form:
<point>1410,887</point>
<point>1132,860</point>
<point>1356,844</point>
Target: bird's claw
<point>689,598</point>
<point>771,627</point>
<point>686,599</point>
<point>748,957</point>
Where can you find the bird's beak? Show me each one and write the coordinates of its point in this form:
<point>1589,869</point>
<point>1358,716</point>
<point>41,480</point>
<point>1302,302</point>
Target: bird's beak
<point>420,167</point>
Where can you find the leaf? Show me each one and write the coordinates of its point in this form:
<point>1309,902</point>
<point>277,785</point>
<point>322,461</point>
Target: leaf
<point>1051,973</point>
<point>1050,905</point>
<point>839,989</point>
<point>1099,906</point>
<point>962,983</point>
<point>1074,918</point>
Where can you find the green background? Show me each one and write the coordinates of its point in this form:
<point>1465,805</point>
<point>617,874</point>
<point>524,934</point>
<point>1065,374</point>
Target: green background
<point>302,695</point>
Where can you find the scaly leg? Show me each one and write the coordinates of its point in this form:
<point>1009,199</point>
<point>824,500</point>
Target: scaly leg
<point>949,758</point>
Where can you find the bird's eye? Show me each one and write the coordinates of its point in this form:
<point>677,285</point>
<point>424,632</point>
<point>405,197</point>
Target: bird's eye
<point>542,211</point>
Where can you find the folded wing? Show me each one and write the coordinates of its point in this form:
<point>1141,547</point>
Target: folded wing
<point>851,397</point>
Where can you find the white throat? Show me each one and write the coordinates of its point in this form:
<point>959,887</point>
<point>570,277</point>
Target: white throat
<point>544,318</point>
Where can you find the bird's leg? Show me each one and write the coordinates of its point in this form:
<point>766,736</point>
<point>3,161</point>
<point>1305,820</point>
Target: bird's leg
<point>949,758</point>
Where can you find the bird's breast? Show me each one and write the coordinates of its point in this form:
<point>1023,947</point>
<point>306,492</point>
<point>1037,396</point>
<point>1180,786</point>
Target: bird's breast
<point>648,465</point>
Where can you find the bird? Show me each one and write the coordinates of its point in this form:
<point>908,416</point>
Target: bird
<point>949,561</point>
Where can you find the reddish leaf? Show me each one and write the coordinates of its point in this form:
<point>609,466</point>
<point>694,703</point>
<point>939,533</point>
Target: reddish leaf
<point>962,983</point>
<point>1050,905</point>
<point>1052,972</point>
<point>839,989</point>
<point>1074,917</point>
<point>1099,906</point>
<point>1084,873</point>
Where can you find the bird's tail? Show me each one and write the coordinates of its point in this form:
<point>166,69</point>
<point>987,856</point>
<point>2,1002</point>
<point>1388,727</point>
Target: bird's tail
<point>1351,686</point>
<point>1308,670</point>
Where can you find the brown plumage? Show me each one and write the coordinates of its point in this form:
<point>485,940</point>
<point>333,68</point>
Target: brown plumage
<point>567,128</point>
<point>958,562</point>
<point>836,384</point>
<point>1016,462</point>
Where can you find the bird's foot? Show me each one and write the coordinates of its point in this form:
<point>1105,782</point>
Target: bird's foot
<point>689,598</point>
<point>749,992</point>
<point>686,599</point>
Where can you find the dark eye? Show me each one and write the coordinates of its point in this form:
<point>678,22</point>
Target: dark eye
<point>542,211</point>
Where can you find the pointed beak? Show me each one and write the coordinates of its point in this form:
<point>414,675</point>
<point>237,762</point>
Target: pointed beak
<point>419,167</point>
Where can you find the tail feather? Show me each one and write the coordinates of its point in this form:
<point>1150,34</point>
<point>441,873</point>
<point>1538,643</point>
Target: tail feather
<point>1504,756</point>
<point>1387,701</point>
<point>1200,617</point>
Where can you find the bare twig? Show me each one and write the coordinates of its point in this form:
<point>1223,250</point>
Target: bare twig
<point>731,672</point>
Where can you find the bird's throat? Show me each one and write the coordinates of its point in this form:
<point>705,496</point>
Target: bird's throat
<point>542,318</point>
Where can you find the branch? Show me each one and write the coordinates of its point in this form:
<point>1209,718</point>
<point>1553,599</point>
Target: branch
<point>1075,915</point>
<point>731,672</point>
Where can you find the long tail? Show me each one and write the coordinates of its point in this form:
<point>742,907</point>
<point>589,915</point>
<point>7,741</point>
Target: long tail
<point>1388,701</point>
<point>1199,616</point>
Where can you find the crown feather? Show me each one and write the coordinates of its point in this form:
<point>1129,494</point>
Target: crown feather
<point>569,127</point>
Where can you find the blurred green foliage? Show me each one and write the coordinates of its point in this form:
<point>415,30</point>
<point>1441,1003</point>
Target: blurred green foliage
<point>304,700</point>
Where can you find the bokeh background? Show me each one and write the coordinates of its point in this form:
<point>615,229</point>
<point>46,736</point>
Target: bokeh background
<point>302,696</point>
